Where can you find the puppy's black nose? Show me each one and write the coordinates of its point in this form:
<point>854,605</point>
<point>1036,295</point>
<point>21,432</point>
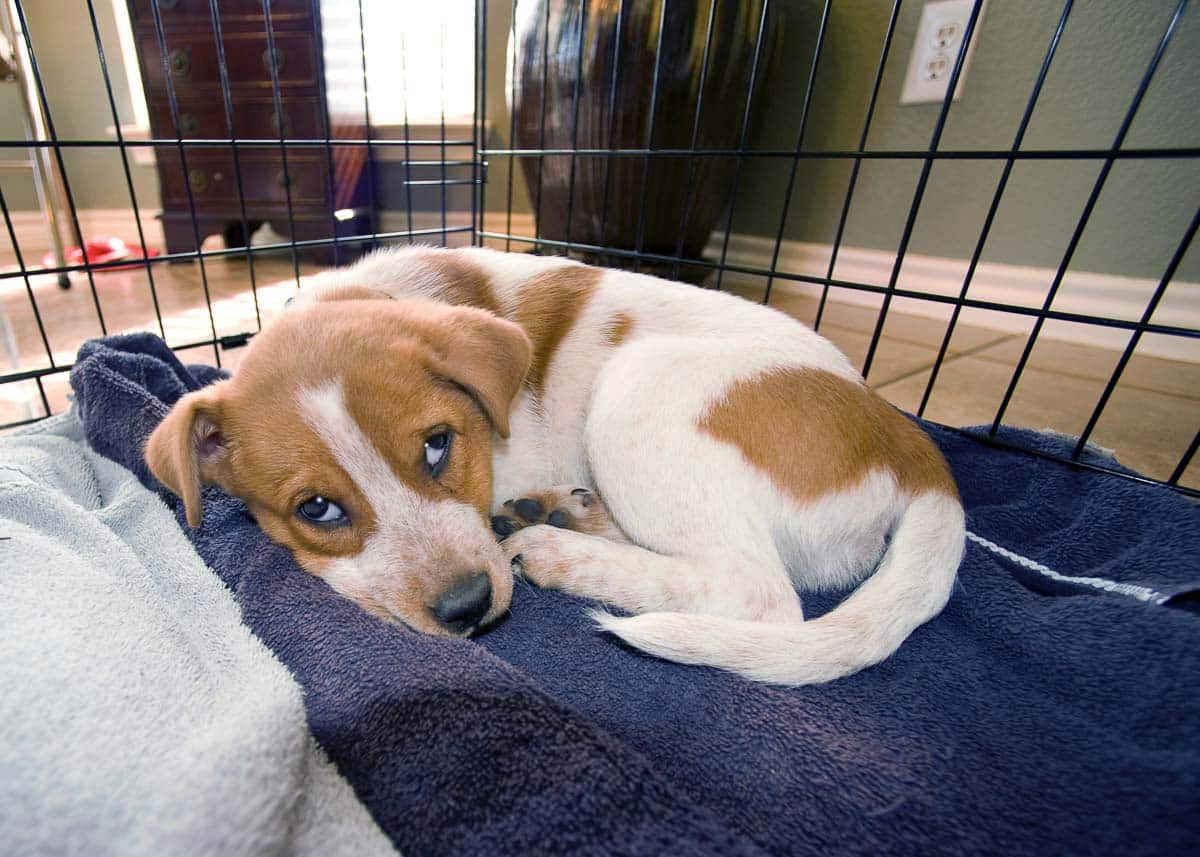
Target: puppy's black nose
<point>461,607</point>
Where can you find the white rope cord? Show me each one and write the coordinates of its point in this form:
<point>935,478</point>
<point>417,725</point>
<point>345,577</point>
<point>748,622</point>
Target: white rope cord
<point>1141,593</point>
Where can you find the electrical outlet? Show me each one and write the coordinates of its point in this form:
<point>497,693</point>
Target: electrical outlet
<point>939,38</point>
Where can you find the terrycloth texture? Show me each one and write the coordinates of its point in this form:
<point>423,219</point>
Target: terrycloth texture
<point>139,716</point>
<point>1018,722</point>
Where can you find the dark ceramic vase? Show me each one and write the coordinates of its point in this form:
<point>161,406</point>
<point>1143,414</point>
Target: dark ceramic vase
<point>566,96</point>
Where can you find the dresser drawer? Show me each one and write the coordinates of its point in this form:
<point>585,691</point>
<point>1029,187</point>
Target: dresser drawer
<point>192,59</point>
<point>214,183</point>
<point>253,119</point>
<point>191,12</point>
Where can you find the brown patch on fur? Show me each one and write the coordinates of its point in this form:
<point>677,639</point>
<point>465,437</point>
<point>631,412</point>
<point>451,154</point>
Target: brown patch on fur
<point>399,421</point>
<point>813,432</point>
<point>550,305</point>
<point>463,283</point>
<point>619,329</point>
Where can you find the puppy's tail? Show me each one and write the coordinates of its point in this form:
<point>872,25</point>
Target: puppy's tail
<point>911,586</point>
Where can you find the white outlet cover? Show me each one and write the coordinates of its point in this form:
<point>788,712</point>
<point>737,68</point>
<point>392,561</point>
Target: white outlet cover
<point>935,48</point>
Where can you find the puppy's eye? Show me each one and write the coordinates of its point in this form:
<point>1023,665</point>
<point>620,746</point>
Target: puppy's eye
<point>318,510</point>
<point>437,452</point>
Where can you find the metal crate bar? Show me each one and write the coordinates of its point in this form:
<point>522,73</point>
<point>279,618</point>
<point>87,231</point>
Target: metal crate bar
<point>1088,207</point>
<point>62,169</point>
<point>133,203</point>
<point>919,193</point>
<point>1001,184</point>
<point>744,137</point>
<point>857,165</point>
<point>227,104</point>
<point>654,76</point>
<point>174,107</point>
<point>791,182</point>
<point>695,139</point>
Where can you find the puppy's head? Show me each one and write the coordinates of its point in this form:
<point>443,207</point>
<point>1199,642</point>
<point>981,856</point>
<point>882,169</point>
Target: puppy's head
<point>359,433</point>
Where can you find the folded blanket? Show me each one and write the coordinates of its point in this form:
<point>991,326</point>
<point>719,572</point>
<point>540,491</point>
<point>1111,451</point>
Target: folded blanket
<point>139,715</point>
<point>1050,709</point>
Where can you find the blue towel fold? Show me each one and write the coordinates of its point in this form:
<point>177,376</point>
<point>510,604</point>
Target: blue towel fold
<point>1051,708</point>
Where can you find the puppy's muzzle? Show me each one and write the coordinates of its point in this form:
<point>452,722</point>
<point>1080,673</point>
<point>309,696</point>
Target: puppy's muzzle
<point>461,607</point>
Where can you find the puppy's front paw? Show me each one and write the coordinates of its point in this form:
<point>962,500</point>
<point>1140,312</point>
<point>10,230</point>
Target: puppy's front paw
<point>538,553</point>
<point>567,507</point>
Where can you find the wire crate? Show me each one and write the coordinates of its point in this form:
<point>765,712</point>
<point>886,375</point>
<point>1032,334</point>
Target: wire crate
<point>752,146</point>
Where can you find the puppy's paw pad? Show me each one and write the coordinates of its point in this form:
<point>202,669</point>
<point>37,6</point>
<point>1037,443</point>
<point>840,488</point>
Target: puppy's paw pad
<point>504,526</point>
<point>564,507</point>
<point>529,510</point>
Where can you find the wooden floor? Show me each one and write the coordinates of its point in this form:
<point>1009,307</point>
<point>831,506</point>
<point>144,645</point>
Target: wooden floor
<point>1151,419</point>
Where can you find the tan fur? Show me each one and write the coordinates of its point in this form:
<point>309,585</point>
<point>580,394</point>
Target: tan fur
<point>619,328</point>
<point>350,293</point>
<point>812,432</point>
<point>173,451</point>
<point>550,305</point>
<point>463,283</point>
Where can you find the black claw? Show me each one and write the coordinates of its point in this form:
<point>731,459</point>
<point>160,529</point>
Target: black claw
<point>585,494</point>
<point>503,526</point>
<point>530,510</point>
<point>558,518</point>
<point>517,564</point>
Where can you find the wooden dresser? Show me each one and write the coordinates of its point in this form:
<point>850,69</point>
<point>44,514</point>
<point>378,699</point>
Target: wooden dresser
<point>321,180</point>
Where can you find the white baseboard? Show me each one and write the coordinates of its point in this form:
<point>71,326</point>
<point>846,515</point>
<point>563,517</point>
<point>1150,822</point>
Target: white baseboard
<point>1081,292</point>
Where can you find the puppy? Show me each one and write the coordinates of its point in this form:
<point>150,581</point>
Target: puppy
<point>683,455</point>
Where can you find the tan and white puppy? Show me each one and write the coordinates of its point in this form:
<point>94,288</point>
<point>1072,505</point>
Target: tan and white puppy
<point>683,455</point>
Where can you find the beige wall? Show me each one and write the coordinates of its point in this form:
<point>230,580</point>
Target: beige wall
<point>69,64</point>
<point>499,22</point>
<point>1107,44</point>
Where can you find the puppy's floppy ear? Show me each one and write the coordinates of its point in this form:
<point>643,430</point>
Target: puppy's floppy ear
<point>346,292</point>
<point>324,288</point>
<point>188,448</point>
<point>484,354</point>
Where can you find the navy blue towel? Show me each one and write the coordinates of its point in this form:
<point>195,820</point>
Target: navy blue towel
<point>1052,708</point>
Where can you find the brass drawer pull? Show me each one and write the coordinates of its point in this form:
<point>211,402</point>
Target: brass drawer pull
<point>198,180</point>
<point>285,181</point>
<point>278,62</point>
<point>179,62</point>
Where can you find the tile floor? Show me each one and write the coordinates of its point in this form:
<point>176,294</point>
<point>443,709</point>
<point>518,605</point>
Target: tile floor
<point>1152,417</point>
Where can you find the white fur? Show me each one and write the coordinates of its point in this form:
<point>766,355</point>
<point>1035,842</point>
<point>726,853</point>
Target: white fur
<point>910,586</point>
<point>717,551</point>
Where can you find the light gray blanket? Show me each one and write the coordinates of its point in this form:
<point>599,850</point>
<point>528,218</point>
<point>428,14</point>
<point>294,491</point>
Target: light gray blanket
<point>137,714</point>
